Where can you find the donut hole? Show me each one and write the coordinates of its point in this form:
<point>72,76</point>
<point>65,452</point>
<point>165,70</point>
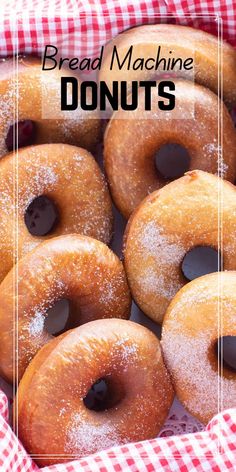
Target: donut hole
<point>200,260</point>
<point>104,394</point>
<point>225,351</point>
<point>20,134</point>
<point>41,216</point>
<point>172,161</point>
<point>57,320</point>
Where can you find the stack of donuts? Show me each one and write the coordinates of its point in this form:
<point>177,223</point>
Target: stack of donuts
<point>102,380</point>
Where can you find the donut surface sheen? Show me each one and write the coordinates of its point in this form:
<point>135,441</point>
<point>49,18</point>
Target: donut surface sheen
<point>61,374</point>
<point>184,42</point>
<point>133,138</point>
<point>170,222</point>
<point>73,267</point>
<point>39,100</point>
<point>67,175</point>
<point>201,311</point>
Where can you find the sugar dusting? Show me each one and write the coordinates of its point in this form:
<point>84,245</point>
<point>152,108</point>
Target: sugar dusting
<point>156,243</point>
<point>83,436</point>
<point>158,284</point>
<point>186,348</point>
<point>29,246</point>
<point>44,179</point>
<point>187,359</point>
<point>32,319</point>
<point>36,324</point>
<point>128,351</point>
<point>7,112</point>
<point>111,291</point>
<point>155,247</point>
<point>214,149</point>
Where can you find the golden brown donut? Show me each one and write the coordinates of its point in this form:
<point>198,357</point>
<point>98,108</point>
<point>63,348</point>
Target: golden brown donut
<point>39,100</point>
<point>125,354</point>
<point>70,178</point>
<point>184,42</point>
<point>201,313</point>
<point>183,215</point>
<point>132,141</point>
<point>73,267</point>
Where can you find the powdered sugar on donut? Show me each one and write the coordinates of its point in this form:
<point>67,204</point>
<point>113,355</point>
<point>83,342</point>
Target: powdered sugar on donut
<point>34,318</point>
<point>36,324</point>
<point>155,242</point>
<point>187,359</point>
<point>110,291</point>
<point>203,312</point>
<point>43,180</point>
<point>153,245</point>
<point>212,149</point>
<point>127,350</point>
<point>82,434</point>
<point>8,104</point>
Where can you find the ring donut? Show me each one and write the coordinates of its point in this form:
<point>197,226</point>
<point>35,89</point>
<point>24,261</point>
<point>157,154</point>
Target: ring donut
<point>183,216</point>
<point>61,183</point>
<point>132,143</point>
<point>73,267</point>
<point>200,318</point>
<point>125,354</point>
<point>39,116</point>
<point>183,42</point>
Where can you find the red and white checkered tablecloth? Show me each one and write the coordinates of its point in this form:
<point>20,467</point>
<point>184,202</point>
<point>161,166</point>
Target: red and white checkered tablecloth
<point>80,28</point>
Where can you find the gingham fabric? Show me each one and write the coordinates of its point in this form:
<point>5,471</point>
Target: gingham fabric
<point>79,28</point>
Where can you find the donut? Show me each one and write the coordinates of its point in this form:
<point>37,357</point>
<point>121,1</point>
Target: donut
<point>49,190</point>
<point>134,141</point>
<point>175,236</point>
<point>38,113</point>
<point>171,41</point>
<point>199,329</point>
<point>72,267</point>
<point>124,354</point>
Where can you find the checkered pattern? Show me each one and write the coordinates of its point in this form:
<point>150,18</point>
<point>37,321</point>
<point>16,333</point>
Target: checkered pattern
<point>213,450</point>
<point>79,28</point>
